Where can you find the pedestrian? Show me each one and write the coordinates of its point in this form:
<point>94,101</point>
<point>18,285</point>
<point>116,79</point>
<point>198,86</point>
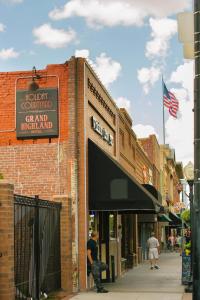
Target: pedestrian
<point>168,243</point>
<point>179,242</point>
<point>153,246</point>
<point>94,263</point>
<point>172,242</point>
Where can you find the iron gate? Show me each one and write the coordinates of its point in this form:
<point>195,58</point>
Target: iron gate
<point>37,247</point>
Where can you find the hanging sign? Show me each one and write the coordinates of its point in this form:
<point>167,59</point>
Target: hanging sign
<point>37,113</point>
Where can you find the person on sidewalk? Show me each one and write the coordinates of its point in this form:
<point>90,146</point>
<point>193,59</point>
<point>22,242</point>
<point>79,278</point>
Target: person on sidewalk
<point>95,265</point>
<point>172,242</point>
<point>153,246</point>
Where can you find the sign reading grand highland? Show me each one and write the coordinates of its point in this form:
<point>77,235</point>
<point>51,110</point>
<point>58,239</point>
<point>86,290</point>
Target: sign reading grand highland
<point>102,131</point>
<point>37,113</point>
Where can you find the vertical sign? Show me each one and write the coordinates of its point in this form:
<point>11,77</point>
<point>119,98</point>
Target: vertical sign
<point>37,113</point>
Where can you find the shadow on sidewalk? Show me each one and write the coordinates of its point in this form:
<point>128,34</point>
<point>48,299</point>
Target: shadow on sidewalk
<point>142,279</point>
<point>141,283</point>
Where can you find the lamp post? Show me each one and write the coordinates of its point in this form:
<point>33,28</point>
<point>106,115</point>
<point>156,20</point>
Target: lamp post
<point>196,204</point>
<point>189,175</point>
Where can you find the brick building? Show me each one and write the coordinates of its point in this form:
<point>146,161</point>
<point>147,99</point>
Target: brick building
<point>152,148</point>
<point>171,173</point>
<point>68,140</point>
<point>167,174</point>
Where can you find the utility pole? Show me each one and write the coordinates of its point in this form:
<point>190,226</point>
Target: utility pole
<point>196,204</point>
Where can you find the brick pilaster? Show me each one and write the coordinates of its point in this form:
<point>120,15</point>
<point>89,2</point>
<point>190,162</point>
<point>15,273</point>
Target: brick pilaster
<point>6,241</point>
<point>65,242</point>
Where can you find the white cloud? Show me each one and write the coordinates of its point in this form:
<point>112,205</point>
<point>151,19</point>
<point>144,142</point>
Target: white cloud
<point>8,53</point>
<point>105,67</point>
<point>2,27</point>
<point>82,53</point>
<point>162,30</point>
<point>53,38</point>
<point>180,131</point>
<point>184,75</point>
<point>111,13</point>
<point>123,102</point>
<point>147,77</point>
<point>143,131</point>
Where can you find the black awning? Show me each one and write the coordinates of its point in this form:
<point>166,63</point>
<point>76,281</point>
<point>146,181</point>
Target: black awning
<point>112,189</point>
<point>151,189</point>
<point>176,220</point>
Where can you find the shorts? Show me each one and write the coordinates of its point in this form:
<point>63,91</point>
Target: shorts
<point>153,253</point>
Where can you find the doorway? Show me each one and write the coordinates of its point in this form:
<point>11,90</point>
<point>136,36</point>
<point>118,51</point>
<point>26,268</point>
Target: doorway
<point>108,243</point>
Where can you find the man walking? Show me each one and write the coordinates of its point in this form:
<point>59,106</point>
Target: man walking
<point>153,246</point>
<point>96,265</point>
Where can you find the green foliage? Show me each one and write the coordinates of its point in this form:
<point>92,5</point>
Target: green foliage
<point>188,245</point>
<point>186,215</point>
<point>1,176</point>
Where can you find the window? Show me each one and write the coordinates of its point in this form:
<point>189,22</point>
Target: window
<point>92,223</point>
<point>112,225</point>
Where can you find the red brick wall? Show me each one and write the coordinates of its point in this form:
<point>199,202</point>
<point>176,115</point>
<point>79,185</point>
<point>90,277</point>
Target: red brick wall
<point>76,148</point>
<point>37,169</point>
<point>7,101</point>
<point>152,149</point>
<point>44,167</point>
<point>35,166</point>
<point>142,161</point>
<point>66,242</point>
<point>6,241</point>
<point>148,147</point>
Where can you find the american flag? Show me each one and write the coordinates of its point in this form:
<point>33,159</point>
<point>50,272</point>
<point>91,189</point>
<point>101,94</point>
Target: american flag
<point>170,101</point>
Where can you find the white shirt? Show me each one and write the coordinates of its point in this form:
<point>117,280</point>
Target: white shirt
<point>152,242</point>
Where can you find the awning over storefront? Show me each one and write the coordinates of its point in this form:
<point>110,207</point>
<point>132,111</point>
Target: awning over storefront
<point>164,218</point>
<point>151,189</point>
<point>176,220</point>
<point>112,189</point>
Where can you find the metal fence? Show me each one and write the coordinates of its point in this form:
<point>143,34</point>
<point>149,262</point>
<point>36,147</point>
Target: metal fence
<point>37,247</point>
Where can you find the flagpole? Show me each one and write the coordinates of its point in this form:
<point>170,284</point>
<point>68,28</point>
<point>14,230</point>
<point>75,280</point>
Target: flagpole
<point>163,116</point>
<point>163,124</point>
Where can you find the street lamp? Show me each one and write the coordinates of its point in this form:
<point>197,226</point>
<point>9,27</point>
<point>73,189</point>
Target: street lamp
<point>196,202</point>
<point>189,175</point>
<point>186,33</point>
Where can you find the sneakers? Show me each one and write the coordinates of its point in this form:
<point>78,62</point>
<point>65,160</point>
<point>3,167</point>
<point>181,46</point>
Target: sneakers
<point>102,290</point>
<point>156,267</point>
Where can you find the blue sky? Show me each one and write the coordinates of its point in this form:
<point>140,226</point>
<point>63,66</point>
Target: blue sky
<point>130,44</point>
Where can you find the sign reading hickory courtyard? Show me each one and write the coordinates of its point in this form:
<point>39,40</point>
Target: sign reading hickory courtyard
<point>37,113</point>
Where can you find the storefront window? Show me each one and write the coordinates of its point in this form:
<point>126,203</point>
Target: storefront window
<point>112,225</point>
<point>92,223</point>
<point>108,226</point>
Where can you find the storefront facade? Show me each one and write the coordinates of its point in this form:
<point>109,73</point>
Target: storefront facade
<point>86,151</point>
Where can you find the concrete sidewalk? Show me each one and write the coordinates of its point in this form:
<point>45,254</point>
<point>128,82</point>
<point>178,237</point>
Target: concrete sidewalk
<point>141,283</point>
